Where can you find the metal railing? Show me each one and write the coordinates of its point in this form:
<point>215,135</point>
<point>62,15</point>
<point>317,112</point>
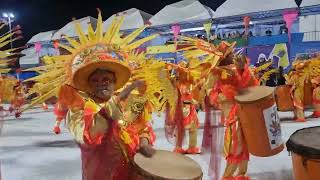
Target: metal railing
<point>311,36</point>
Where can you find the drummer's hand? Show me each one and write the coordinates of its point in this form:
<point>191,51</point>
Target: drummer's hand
<point>145,148</point>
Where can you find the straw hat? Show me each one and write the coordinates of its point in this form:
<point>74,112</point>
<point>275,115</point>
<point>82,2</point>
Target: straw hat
<point>97,57</point>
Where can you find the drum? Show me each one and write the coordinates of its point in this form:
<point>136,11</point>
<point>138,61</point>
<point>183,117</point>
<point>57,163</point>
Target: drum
<point>308,91</point>
<point>260,121</point>
<point>305,147</point>
<point>283,98</point>
<point>165,165</point>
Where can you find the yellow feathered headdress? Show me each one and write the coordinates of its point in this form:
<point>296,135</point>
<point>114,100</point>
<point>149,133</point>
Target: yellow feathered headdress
<point>159,89</point>
<point>6,39</point>
<point>86,53</point>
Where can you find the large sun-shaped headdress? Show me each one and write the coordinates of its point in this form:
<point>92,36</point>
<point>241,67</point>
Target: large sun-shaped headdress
<point>97,49</point>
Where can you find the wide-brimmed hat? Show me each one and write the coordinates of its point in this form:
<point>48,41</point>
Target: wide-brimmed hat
<point>98,57</point>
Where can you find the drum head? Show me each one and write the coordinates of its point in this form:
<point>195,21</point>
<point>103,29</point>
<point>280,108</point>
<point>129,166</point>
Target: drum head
<point>168,165</point>
<point>305,142</point>
<point>253,94</point>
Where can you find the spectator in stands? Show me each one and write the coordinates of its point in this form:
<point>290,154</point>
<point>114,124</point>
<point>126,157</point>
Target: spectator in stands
<point>233,35</point>
<point>219,37</point>
<point>237,34</point>
<point>268,32</point>
<point>250,34</point>
<point>283,30</point>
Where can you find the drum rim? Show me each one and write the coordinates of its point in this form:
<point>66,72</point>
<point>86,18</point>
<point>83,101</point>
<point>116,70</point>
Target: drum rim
<point>272,92</point>
<point>144,172</point>
<point>303,150</point>
<point>283,86</point>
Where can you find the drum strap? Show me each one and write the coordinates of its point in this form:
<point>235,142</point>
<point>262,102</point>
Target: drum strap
<point>231,139</point>
<point>305,161</point>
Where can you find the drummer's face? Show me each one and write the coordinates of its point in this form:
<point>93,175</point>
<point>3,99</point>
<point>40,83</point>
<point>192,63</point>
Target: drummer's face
<point>102,83</point>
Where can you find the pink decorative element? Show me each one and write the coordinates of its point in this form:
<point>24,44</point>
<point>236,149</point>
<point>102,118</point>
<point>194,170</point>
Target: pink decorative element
<point>141,50</point>
<point>212,142</point>
<point>289,17</point>
<point>176,31</point>
<point>56,44</point>
<point>246,22</point>
<point>38,47</point>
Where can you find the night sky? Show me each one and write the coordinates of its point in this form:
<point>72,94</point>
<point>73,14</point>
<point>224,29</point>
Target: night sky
<point>36,16</point>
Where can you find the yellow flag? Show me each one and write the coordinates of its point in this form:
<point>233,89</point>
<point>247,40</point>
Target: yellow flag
<point>281,51</point>
<point>161,49</point>
<point>207,28</point>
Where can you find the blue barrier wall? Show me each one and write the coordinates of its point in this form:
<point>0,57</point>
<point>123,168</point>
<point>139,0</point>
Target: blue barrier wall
<point>304,47</point>
<point>25,75</point>
<point>268,40</point>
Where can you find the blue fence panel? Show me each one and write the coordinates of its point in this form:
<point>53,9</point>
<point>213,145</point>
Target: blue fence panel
<point>268,40</point>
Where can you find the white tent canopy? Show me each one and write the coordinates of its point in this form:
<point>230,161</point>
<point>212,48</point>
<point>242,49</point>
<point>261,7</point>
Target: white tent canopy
<point>134,18</point>
<point>187,10</point>
<point>29,51</point>
<point>70,29</point>
<point>239,7</point>
<point>31,57</point>
<point>29,60</point>
<point>43,36</point>
<point>309,3</point>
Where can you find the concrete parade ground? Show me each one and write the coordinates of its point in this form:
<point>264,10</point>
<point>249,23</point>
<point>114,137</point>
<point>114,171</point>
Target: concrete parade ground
<point>30,151</point>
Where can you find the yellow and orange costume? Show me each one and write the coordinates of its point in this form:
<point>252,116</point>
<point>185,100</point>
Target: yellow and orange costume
<point>60,111</point>
<point>316,96</point>
<point>108,133</point>
<point>304,91</point>
<point>235,146</point>
<point>297,94</point>
<point>227,76</point>
<point>185,117</point>
<point>10,88</point>
<point>104,131</point>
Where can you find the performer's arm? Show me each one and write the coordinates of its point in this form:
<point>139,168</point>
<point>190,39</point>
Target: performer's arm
<point>126,92</point>
<point>84,130</point>
<point>146,133</point>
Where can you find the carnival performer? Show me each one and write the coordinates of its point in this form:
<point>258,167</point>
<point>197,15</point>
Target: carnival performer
<point>297,91</point>
<point>8,88</point>
<point>316,96</point>
<point>107,132</point>
<point>230,74</point>
<point>85,81</point>
<point>185,117</point>
<point>18,99</point>
<point>235,146</point>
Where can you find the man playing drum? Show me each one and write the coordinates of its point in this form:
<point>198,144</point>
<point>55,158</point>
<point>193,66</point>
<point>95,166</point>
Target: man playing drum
<point>235,146</point>
<point>108,136</point>
<point>297,91</point>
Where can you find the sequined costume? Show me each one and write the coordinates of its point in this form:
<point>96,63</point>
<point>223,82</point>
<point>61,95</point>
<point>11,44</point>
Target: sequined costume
<point>108,138</point>
<point>222,95</point>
